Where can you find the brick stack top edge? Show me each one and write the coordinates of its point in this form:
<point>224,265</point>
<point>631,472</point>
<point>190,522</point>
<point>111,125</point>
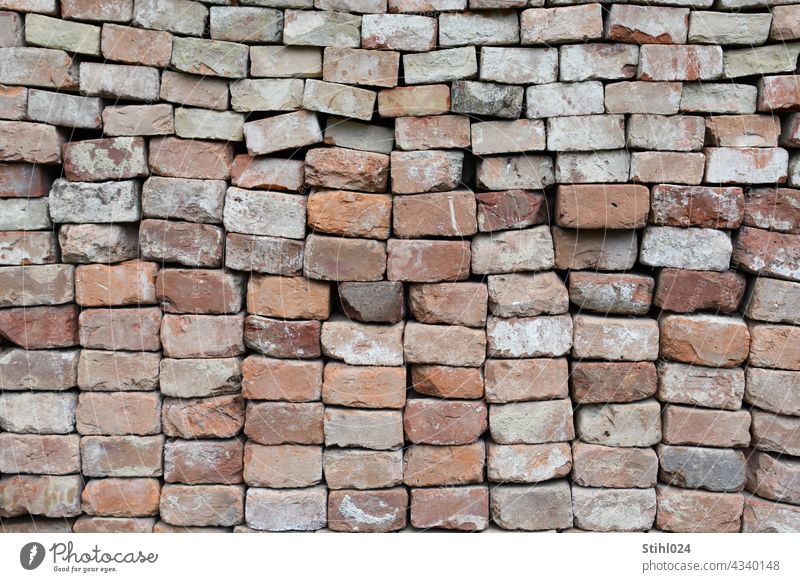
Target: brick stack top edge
<point>359,265</point>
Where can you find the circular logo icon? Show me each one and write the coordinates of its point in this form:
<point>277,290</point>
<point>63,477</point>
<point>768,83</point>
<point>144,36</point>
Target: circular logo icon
<point>31,555</point>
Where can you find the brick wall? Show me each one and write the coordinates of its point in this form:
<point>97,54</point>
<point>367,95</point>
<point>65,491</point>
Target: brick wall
<point>344,264</point>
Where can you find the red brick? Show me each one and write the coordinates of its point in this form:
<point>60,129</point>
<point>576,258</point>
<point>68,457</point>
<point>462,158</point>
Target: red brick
<point>122,456</point>
<point>267,173</point>
<point>48,495</point>
<point>136,46</point>
<point>192,418</point>
<point>273,379</point>
<point>186,243</point>
<point>435,132</point>
<point>510,209</point>
<point>449,303</point>
<point>199,291</point>
<point>444,422</point>
<point>426,465</point>
<point>368,511</point>
<point>597,382</point>
<point>127,283</point>
<point>428,261</point>
<point>119,413</point>
<point>115,158</point>
<point>202,336</point>
<point>438,214</point>
<point>683,425</point>
<point>352,214</point>
<point>458,508</point>
<point>288,297</point>
<point>282,339</point>
<point>776,209</point>
<point>695,511</point>
<point>264,254</point>
<point>32,143</point>
<point>202,505</point>
<point>24,181</point>
<point>203,461</point>
<point>602,206</point>
<point>134,329</point>
<point>364,386</point>
<point>121,497</point>
<point>276,423</point>
<point>701,206</point>
<point>282,466</point>
<point>339,259</point>
<point>688,291</point>
<point>40,327</point>
<point>190,158</point>
<point>774,346</point>
<point>707,340</point>
<point>344,169</point>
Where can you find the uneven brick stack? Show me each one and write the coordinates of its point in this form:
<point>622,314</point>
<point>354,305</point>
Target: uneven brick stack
<point>344,264</point>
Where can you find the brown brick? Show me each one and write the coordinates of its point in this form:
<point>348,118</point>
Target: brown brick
<point>123,413</point>
<point>41,327</point>
<point>366,429</point>
<point>526,379</point>
<point>288,297</point>
<point>776,433</point>
<point>687,291</point>
<point>447,381</point>
<point>264,254</point>
<point>127,283</point>
<point>362,469</point>
<point>115,497</point>
<point>200,291</point>
<point>378,302</point>
<point>426,465</point>
<point>449,303</point>
<point>428,261</point>
<point>438,214</point>
<point>55,496</point>
<point>773,208</point>
<point>602,206</point>
<point>275,423</point>
<point>510,209</point>
<point>695,511</point>
<point>190,158</point>
<point>364,386</point>
<point>136,46</point>
<point>338,259</point>
<point>705,427</point>
<point>767,253</point>
<point>110,371</point>
<point>458,508</point>
<point>273,379</point>
<point>368,511</point>
<point>351,214</point>
<point>444,422</point>
<point>203,461</point>
<point>24,180</point>
<point>193,418</point>
<point>282,466</point>
<point>707,340</point>
<point>40,454</point>
<point>282,338</point>
<point>345,169</point>
<point>202,336</point>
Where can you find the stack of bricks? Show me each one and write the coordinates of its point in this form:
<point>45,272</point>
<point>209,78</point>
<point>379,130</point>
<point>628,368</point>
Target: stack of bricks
<point>358,265</point>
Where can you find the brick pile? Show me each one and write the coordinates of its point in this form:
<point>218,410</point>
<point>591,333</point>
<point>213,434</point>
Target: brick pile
<point>277,265</point>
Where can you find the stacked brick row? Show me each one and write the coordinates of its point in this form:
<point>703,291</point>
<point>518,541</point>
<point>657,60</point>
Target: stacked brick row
<point>358,265</point>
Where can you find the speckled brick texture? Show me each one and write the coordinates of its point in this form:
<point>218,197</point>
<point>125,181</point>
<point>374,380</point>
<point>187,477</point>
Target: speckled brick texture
<point>372,266</point>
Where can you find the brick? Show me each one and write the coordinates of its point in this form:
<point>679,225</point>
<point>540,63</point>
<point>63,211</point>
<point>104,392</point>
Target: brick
<point>352,214</point>
<point>426,171</point>
<point>743,131</point>
<point>527,379</point>
<point>701,386</point>
<point>647,24</point>
<point>128,82</point>
<point>604,132</point>
<point>358,135</point>
<point>41,525</point>
<point>414,101</point>
<point>527,463</point>
<point>607,206</point>
<point>338,99</point>
<point>33,143</point>
<point>634,424</point>
<point>346,169</point>
<point>288,510</point>
<point>447,381</point>
<point>772,390</point>
<point>101,525</point>
<point>193,418</point>
<point>335,259</point>
<point>170,156</point>
<point>179,16</point>
<point>615,338</point>
<point>594,167</point>
<point>24,181</point>
<point>275,423</point>
<point>608,62</point>
<point>642,96</point>
<point>265,213</point>
<point>282,339</point>
<point>186,243</point>
<point>682,510</point>
<point>361,344</point>
<point>69,36</point>
<point>763,60</point>
<point>510,209</point>
<point>494,137</point>
<point>183,199</point>
<point>655,132</point>
<point>688,291</point>
<point>513,251</point>
<point>361,6</point>
<point>752,165</point>
<point>444,422</point>
<point>705,427</point>
<point>364,387</point>
<point>561,99</point>
<point>425,344</point>
<point>680,63</point>
<point>49,495</point>
<point>314,28</point>
<point>202,336</point>
<point>40,327</point>
<point>130,328</point>
<point>202,505</point>
<point>37,67</point>
<point>193,378</point>
<point>41,454</point>
<point>776,433</point>
<point>454,508</point>
<point>611,293</point>
<point>368,511</point>
<point>360,67</point>
<point>478,28</point>
<point>245,24</point>
<point>519,507</point>
<point>729,29</point>
<point>767,253</point>
<point>64,109</point>
<point>701,206</point>
<point>426,465</point>
<point>702,468</point>
<point>441,260</point>
<point>733,98</point>
<point>285,61</point>
<point>203,461</point>
<point>707,340</point>
<point>529,337</point>
<point>378,302</point>
<point>675,167</point>
<point>613,467</point>
<point>31,285</point>
<point>121,456</point>
<point>440,66</point>
<point>24,214</point>
<point>773,209</point>
<point>531,422</point>
<point>423,133</point>
<point>288,297</point>
<point>686,248</point>
<point>117,371</point>
<point>282,466</point>
<point>104,202</point>
<point>367,429</point>
<point>563,24</point>
<point>761,516</point>
<point>773,346</point>
<point>611,510</point>
<point>477,98</point>
<point>124,413</point>
<point>514,172</point>
<point>135,46</point>
<point>267,173</point>
<point>127,120</point>
<point>519,65</point>
<point>199,91</point>
<point>773,477</point>
<point>598,382</point>
<point>263,254</point>
<point>362,469</point>
<point>785,24</point>
<point>199,291</point>
<point>13,33</point>
<point>28,248</point>
<point>206,124</point>
<point>437,214</point>
<point>267,94</point>
<point>449,303</point>
<point>409,33</point>
<point>121,497</point>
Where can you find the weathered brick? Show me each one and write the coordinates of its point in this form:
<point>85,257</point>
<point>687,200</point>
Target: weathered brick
<point>706,340</point>
<point>729,29</point>
<point>679,63</point>
<point>773,208</point>
<point>53,33</point>
<point>613,467</point>
<point>447,381</point>
<point>360,67</point>
<point>118,371</point>
<point>367,429</point>
<point>362,469</point>
<point>478,98</point>
<point>267,173</point>
<point>426,465</point>
<point>776,433</point>
<point>647,24</point>
<point>203,461</point>
<point>702,468</point>
<point>339,99</point>
<point>378,302</point>
<point>611,510</point>
<point>688,291</point>
<point>202,505</point>
<point>733,98</point>
<point>24,180</point>
<point>611,293</point>
<point>774,346</point>
<point>437,214</point>
<point>37,67</point>
<point>267,94</point>
<point>563,24</point>
<point>193,418</point>
<point>440,66</point>
<point>608,62</point>
<point>316,28</point>
<point>528,379</point>
<point>285,61</point>
<point>194,123</point>
<point>281,338</point>
<point>179,16</point>
<point>615,338</point>
<point>440,131</point>
<point>364,386</point>
<point>761,60</point>
<point>64,109</point>
<point>683,425</point>
<point>772,390</point>
<point>675,167</point>
<point>286,510</point>
<point>762,516</point>
<point>409,33</point>
<point>265,213</point>
<point>29,248</point>
<point>358,135</point>
<point>264,254</point>
<point>444,422</point>
<point>39,454</point>
<point>186,158</point>
<point>683,510</point>
<point>686,248</point>
<point>122,456</point>
<point>414,101</point>
<point>362,344</point>
<point>33,143</point>
<point>186,243</point>
<point>245,24</point>
<point>199,291</point>
<point>200,377</point>
<point>135,46</point>
<point>531,422</point>
<point>440,260</point>
<point>546,506</point>
<point>510,209</point>
<point>124,413</point>
<point>519,65</point>
<point>40,327</point>
<point>529,337</point>
<point>121,497</point>
<point>368,511</point>
<point>56,496</point>
<point>130,328</point>
<point>527,463</point>
<point>352,214</point>
<point>199,91</point>
<point>106,525</point>
<point>767,253</point>
<point>103,202</point>
<point>514,172</point>
<point>646,97</point>
<point>634,424</point>
<point>282,466</point>
<point>347,169</point>
<point>701,386</point>
<point>276,423</point>
<point>202,336</point>
<point>457,508</point>
<point>773,477</point>
<point>751,165</point>
<point>426,171</point>
<point>594,167</point>
<point>597,382</point>
<point>38,370</point>
<point>135,83</point>
<point>127,120</point>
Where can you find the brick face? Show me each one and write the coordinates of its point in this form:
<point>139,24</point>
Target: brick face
<point>378,265</point>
